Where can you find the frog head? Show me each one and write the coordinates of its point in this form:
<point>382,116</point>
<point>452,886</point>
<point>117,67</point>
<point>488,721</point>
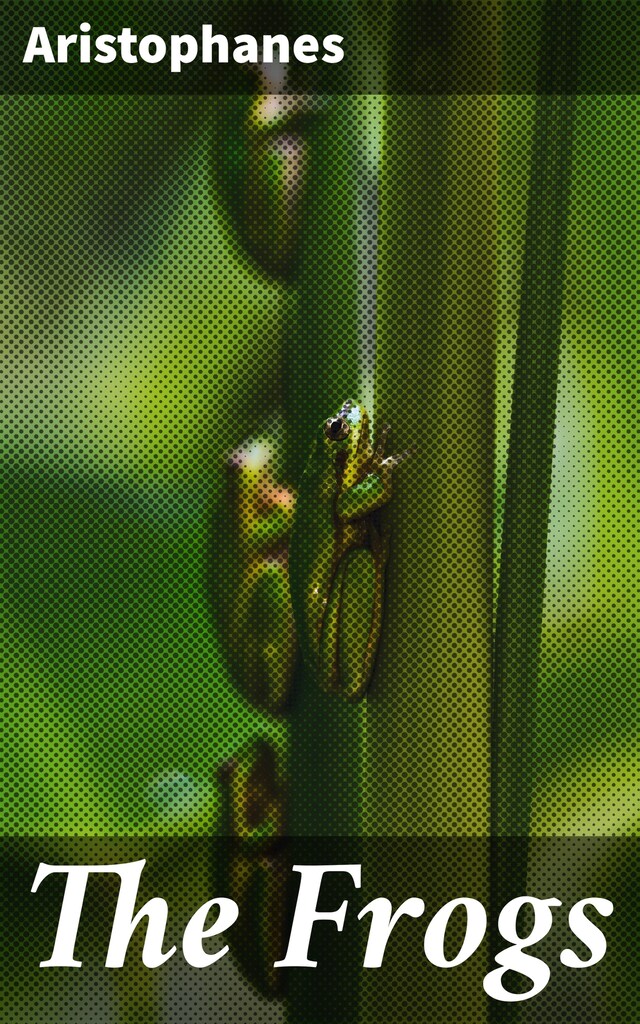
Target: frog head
<point>346,440</point>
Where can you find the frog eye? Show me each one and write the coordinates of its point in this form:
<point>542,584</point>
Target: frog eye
<point>336,429</point>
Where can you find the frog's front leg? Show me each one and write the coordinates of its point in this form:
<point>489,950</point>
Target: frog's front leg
<point>352,622</point>
<point>365,497</point>
<point>375,489</point>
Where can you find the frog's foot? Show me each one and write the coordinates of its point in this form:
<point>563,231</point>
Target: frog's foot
<point>394,460</point>
<point>391,461</point>
<point>378,451</point>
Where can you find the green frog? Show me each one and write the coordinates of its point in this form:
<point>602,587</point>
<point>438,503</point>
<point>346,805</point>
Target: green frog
<point>338,550</point>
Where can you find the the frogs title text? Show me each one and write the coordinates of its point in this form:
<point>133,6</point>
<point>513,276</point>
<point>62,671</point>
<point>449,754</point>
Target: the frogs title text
<point>217,916</point>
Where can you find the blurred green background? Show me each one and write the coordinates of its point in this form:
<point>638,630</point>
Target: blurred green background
<point>141,343</point>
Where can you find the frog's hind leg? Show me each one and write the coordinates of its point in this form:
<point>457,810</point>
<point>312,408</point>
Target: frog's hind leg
<point>351,625</point>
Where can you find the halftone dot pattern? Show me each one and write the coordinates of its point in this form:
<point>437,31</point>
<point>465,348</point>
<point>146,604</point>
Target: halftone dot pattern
<point>427,724</point>
<point>250,577</point>
<point>157,327</point>
<point>586,734</point>
<point>186,873</point>
<point>130,314</point>
<point>516,120</point>
<point>338,551</point>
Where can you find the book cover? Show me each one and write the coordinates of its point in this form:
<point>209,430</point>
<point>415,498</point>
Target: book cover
<point>320,507</point>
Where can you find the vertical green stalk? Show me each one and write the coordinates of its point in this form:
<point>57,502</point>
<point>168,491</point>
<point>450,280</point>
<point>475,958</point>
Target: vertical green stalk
<point>532,432</point>
<point>428,716</point>
<point>330,356</point>
<point>323,367</point>
<point>531,443</point>
<point>428,713</point>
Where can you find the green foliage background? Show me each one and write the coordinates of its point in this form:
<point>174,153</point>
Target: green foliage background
<point>142,342</point>
<point>127,305</point>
